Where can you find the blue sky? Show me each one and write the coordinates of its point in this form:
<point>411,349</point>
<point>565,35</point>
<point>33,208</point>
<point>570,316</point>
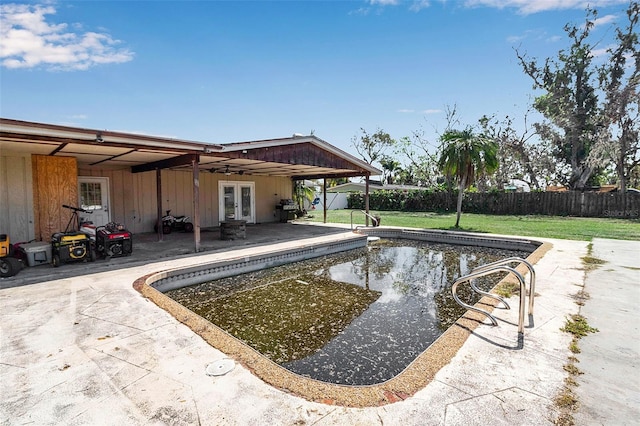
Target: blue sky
<point>228,71</point>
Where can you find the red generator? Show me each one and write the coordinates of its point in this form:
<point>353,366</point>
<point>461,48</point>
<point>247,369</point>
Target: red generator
<point>113,240</point>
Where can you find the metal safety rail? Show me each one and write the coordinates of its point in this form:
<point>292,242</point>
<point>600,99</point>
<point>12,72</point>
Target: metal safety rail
<point>508,261</point>
<point>491,270</point>
<point>373,219</point>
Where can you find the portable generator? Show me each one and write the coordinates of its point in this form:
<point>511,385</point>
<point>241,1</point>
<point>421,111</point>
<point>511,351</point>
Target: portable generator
<point>113,240</point>
<point>71,247</point>
<point>5,245</point>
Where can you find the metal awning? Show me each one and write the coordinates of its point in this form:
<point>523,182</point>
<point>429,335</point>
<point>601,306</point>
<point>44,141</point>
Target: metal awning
<point>298,157</point>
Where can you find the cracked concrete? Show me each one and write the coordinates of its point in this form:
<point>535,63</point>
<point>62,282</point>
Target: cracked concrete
<point>88,349</point>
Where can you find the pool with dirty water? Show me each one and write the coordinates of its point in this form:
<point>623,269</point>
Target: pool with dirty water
<point>358,317</point>
<point>366,297</point>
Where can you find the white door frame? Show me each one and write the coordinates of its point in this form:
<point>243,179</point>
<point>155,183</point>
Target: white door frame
<point>238,186</point>
<point>103,213</point>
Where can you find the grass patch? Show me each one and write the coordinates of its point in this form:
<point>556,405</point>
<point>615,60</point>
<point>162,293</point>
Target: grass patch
<point>573,346</point>
<point>507,289</point>
<point>572,369</point>
<point>581,297</point>
<point>592,261</point>
<point>567,402</point>
<point>568,228</point>
<point>577,325</point>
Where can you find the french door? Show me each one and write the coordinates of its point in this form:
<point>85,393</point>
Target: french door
<point>93,194</point>
<point>236,201</point>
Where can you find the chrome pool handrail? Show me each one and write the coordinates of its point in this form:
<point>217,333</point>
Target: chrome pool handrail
<point>478,274</point>
<point>375,221</point>
<point>506,261</point>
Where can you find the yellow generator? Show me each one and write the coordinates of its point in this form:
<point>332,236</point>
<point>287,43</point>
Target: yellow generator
<point>71,247</point>
<point>9,265</point>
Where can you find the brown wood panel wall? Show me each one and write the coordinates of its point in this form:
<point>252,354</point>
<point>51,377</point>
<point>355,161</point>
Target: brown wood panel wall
<point>55,182</point>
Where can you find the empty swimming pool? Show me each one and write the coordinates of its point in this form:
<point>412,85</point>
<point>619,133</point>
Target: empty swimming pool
<point>358,317</point>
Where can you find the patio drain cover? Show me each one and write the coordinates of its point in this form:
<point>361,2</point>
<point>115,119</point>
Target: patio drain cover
<point>220,367</point>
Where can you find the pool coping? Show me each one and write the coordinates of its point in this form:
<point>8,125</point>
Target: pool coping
<point>415,376</point>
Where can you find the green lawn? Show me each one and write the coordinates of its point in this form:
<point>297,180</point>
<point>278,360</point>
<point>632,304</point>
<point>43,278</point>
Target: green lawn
<point>568,228</point>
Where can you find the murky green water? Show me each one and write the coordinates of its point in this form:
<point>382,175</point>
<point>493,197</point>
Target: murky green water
<point>357,317</point>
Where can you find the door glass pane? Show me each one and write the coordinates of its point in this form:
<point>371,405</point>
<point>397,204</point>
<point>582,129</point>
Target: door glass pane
<point>91,195</point>
<point>246,202</point>
<point>229,202</point>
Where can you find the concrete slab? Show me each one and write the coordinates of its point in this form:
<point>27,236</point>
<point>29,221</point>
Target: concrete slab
<point>87,349</point>
<point>609,389</point>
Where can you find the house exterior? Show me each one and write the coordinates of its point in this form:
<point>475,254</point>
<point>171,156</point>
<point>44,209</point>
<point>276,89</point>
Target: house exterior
<point>133,179</point>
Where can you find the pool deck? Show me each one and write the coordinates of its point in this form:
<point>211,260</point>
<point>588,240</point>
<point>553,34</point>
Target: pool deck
<point>79,346</point>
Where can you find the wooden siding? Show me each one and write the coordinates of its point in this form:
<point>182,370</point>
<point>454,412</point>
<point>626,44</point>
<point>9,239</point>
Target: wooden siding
<point>304,153</point>
<point>33,189</point>
<point>16,197</point>
<point>133,196</point>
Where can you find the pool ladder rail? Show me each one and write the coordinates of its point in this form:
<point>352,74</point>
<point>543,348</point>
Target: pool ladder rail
<point>374,220</point>
<point>500,266</point>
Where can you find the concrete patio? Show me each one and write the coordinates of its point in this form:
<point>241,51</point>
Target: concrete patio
<point>80,346</point>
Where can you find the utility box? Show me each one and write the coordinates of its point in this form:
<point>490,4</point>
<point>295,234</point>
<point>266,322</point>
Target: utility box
<point>38,253</point>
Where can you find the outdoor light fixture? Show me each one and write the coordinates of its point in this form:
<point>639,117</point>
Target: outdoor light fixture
<point>212,170</point>
<point>99,137</point>
<point>226,171</point>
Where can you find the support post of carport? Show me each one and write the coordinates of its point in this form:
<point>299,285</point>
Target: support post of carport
<point>324,201</point>
<point>159,203</point>
<point>366,198</point>
<point>196,202</point>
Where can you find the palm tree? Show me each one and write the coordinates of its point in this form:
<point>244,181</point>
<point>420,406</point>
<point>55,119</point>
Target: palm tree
<point>465,155</point>
<point>301,192</point>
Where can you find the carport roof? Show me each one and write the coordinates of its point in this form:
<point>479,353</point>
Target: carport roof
<point>305,157</point>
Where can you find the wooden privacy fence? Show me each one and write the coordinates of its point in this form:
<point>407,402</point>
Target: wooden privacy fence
<point>570,203</point>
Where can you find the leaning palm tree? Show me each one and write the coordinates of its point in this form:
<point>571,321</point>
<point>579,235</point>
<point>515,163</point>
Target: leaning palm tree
<point>465,155</point>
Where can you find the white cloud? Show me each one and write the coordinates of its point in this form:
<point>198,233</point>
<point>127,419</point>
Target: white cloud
<point>534,6</point>
<point>383,2</point>
<point>605,20</point>
<point>27,40</point>
<point>79,117</point>
<point>432,111</point>
<point>406,111</point>
<point>598,53</point>
<point>378,6</point>
<point>418,5</point>
<point>533,35</point>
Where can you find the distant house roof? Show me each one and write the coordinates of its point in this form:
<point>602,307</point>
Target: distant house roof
<point>360,187</point>
<point>555,188</point>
